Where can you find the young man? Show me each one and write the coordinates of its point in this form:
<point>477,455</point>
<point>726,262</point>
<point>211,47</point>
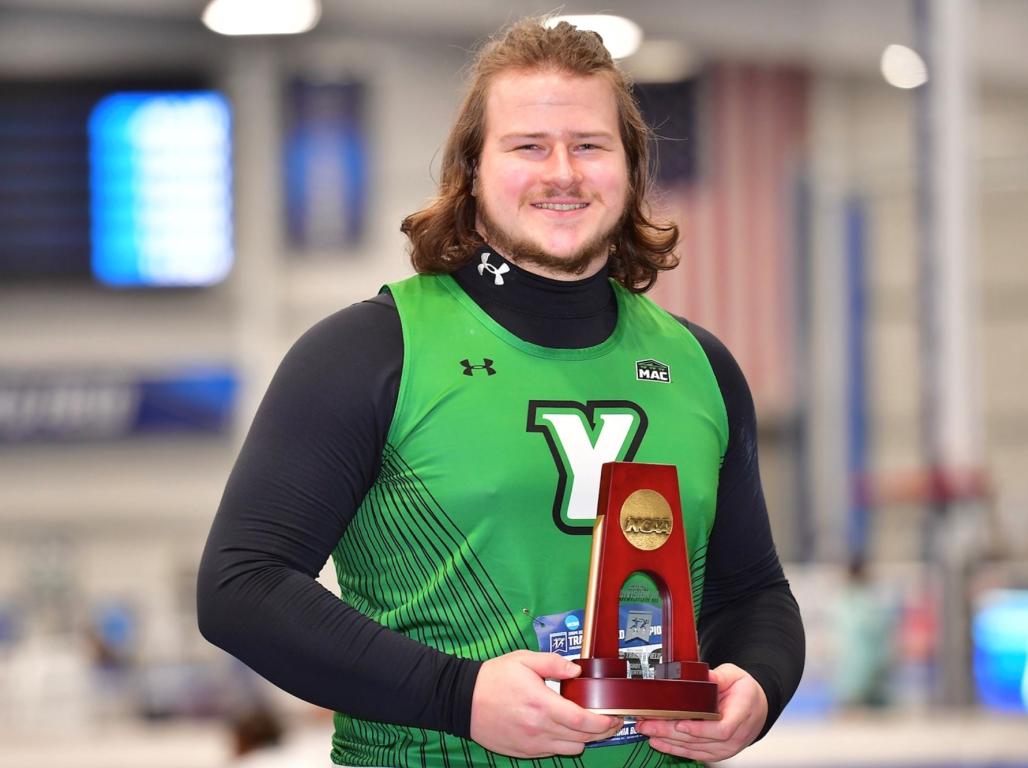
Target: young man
<point>442,442</point>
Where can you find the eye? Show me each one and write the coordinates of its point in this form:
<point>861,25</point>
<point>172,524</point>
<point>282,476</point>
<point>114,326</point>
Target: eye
<point>527,148</point>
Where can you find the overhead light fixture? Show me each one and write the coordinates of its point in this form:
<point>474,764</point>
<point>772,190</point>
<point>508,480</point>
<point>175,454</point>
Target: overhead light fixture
<point>903,67</point>
<point>261,17</point>
<point>621,36</point>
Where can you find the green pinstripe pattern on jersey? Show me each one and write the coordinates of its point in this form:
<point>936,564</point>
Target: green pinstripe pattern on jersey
<point>401,521</point>
<point>697,570</point>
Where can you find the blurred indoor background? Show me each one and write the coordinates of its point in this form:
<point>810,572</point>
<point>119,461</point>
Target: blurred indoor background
<point>177,205</point>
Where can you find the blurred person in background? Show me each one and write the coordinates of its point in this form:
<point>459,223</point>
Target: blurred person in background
<point>864,629</point>
<point>262,738</point>
<point>255,730</point>
<point>419,437</point>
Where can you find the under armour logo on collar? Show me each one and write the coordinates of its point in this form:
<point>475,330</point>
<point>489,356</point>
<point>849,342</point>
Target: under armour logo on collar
<point>497,272</point>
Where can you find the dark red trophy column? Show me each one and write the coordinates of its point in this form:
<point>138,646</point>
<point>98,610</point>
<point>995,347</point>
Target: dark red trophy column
<point>639,528</point>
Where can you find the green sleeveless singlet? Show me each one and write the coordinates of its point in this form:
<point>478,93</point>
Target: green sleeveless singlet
<point>474,538</point>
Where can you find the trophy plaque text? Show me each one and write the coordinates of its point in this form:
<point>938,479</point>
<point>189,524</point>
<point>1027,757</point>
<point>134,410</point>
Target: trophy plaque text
<point>639,529</point>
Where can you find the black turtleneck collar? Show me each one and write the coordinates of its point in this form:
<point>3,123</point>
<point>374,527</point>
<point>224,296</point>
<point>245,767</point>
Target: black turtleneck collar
<point>564,314</point>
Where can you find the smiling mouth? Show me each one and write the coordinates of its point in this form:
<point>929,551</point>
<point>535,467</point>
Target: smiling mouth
<point>560,206</point>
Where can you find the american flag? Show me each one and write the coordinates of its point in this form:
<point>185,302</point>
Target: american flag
<point>736,213</point>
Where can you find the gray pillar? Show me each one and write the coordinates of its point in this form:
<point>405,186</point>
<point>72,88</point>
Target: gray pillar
<point>827,427</point>
<point>951,410</point>
<point>252,84</point>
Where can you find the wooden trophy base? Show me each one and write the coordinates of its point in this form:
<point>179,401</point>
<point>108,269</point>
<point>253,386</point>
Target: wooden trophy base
<point>680,691</point>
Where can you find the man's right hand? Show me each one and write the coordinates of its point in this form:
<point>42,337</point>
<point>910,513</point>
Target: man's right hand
<point>513,712</point>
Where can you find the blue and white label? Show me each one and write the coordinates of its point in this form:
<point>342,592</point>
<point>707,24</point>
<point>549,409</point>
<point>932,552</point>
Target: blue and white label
<point>639,642</point>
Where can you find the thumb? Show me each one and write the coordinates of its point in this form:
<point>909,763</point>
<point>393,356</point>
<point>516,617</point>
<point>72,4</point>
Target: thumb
<point>725,674</point>
<point>551,665</point>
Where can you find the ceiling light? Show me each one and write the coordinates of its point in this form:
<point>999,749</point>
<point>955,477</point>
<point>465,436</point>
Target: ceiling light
<point>261,17</point>
<point>903,67</point>
<point>621,36</point>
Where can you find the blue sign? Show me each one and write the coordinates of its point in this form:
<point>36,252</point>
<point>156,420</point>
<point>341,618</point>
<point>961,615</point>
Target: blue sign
<point>161,189</point>
<point>1000,632</point>
<point>325,173</point>
<point>103,406</point>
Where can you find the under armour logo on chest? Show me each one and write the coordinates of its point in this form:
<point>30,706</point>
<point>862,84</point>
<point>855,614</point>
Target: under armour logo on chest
<point>496,272</point>
<point>487,366</point>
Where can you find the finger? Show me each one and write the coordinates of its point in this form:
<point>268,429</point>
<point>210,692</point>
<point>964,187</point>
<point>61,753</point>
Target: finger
<point>563,733</point>
<point>562,747</point>
<point>692,752</point>
<point>672,729</point>
<point>736,712</point>
<point>609,734</point>
<point>572,716</point>
<point>726,674</point>
<point>549,665</point>
<point>700,731</point>
<point>658,728</point>
<point>683,738</point>
<point>697,732</point>
<point>578,725</point>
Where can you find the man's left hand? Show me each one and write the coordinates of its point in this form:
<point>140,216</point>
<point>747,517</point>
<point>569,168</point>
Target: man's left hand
<point>743,708</point>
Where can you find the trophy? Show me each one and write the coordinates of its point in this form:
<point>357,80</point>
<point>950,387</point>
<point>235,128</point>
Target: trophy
<point>639,529</point>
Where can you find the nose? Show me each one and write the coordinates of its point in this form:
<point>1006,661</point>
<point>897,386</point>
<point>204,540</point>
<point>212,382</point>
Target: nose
<point>562,168</point>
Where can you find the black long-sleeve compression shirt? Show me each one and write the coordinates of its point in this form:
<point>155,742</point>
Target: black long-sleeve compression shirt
<point>313,452</point>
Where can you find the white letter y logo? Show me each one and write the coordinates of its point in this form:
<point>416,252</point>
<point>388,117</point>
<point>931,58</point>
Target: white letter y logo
<point>582,438</point>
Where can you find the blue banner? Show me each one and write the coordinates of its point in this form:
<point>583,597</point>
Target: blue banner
<point>86,406</point>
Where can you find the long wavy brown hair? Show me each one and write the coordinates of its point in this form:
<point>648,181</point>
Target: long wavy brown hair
<point>443,236</point>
